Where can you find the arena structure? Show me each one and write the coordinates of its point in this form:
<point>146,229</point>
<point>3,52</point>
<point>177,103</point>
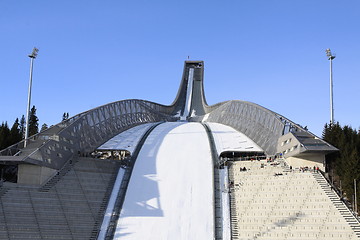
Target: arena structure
<point>135,169</point>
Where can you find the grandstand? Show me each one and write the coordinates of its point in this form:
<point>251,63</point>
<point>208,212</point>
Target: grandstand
<point>135,169</point>
<point>270,201</point>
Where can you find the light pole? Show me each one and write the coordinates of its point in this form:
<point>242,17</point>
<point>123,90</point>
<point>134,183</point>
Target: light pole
<point>331,57</point>
<point>32,56</point>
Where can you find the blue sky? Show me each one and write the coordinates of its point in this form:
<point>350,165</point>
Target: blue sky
<point>271,52</point>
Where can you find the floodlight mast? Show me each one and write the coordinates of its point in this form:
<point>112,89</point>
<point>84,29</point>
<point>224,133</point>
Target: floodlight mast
<point>32,56</point>
<point>330,58</point>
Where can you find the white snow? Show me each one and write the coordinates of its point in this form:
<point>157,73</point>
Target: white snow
<point>188,95</point>
<point>111,204</point>
<point>205,118</point>
<point>228,139</point>
<point>170,193</point>
<point>225,201</point>
<point>126,140</point>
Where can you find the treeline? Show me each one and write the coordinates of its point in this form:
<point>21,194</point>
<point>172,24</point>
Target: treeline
<point>10,136</point>
<point>344,165</point>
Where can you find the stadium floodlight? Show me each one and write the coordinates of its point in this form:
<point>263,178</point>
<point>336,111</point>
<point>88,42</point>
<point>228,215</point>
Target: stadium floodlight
<point>330,58</point>
<point>329,54</point>
<point>32,56</point>
<point>34,53</point>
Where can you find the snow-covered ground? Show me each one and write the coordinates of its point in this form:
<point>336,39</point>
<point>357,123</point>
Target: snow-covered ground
<point>170,194</point>
<point>188,95</point>
<point>225,201</point>
<point>110,207</point>
<point>126,140</point>
<point>228,139</point>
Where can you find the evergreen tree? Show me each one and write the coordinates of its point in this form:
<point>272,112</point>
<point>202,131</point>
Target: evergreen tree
<point>345,163</point>
<point>22,126</point>
<point>4,135</point>
<point>44,127</point>
<point>33,122</point>
<point>15,134</point>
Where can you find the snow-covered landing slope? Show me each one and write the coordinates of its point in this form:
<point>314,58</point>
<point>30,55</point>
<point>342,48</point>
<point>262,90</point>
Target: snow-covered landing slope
<point>170,194</point>
<point>126,140</point>
<point>228,139</point>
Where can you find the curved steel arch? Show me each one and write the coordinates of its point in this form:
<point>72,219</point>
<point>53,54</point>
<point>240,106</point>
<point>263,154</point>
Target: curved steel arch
<point>260,124</point>
<point>84,132</point>
<point>265,127</point>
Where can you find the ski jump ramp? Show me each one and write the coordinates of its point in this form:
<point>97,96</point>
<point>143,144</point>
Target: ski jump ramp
<point>172,182</point>
<point>170,194</point>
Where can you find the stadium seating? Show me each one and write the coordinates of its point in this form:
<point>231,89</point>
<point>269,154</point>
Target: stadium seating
<point>270,201</point>
<point>70,206</point>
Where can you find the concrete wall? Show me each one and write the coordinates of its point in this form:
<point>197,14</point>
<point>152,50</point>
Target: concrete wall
<point>33,174</point>
<point>307,160</point>
<point>288,145</point>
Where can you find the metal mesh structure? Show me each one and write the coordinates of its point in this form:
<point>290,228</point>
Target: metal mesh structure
<point>264,126</point>
<point>256,122</point>
<point>84,132</point>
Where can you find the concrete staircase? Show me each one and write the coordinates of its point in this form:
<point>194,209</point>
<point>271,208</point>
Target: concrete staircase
<point>338,203</point>
<point>70,206</point>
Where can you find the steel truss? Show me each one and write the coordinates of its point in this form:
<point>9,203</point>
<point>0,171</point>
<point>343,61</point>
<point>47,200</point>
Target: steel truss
<point>83,133</point>
<point>261,125</point>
